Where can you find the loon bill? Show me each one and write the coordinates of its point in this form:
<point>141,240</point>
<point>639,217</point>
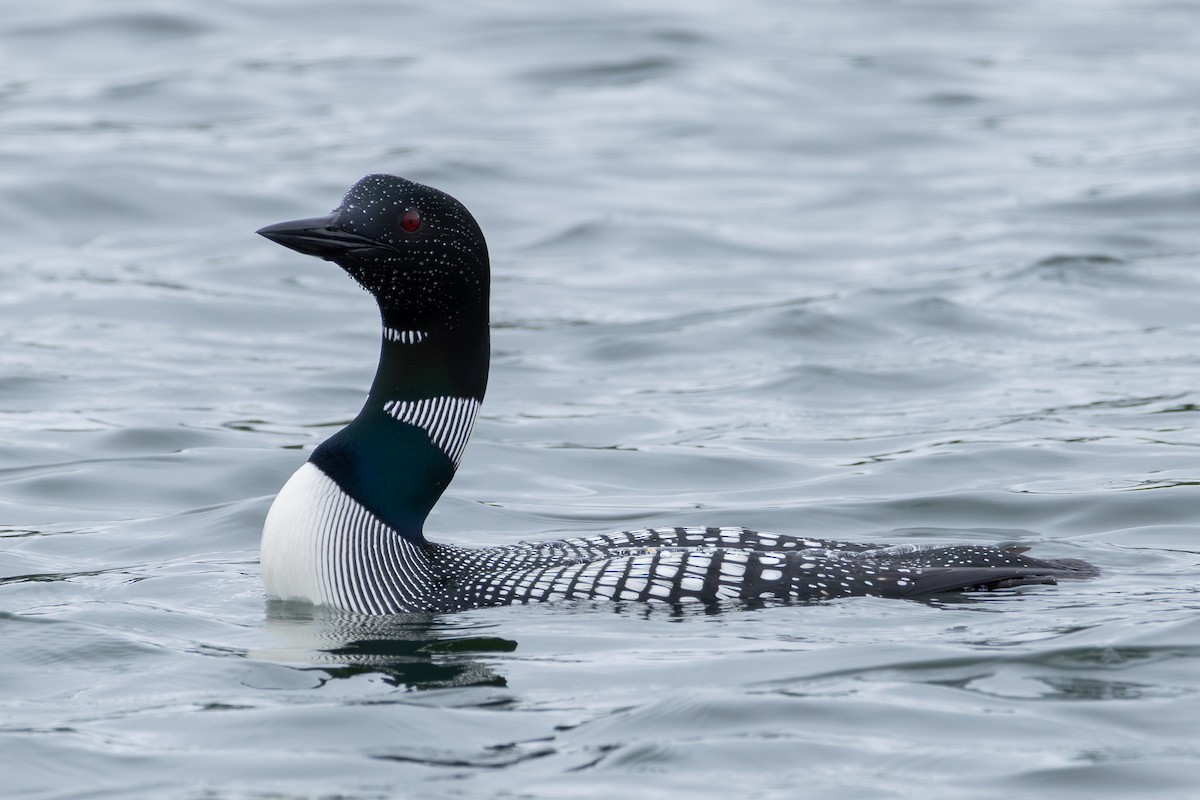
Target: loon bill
<point>347,529</point>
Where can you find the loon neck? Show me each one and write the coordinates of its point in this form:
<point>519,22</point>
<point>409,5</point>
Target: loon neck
<point>421,361</point>
<point>401,451</point>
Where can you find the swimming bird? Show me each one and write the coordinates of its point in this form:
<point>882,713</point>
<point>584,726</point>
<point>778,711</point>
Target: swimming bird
<point>347,529</point>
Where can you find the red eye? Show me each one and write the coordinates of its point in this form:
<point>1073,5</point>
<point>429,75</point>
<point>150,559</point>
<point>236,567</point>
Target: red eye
<point>410,220</point>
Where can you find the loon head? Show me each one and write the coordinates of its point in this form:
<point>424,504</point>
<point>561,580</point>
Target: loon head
<point>416,249</point>
<point>421,254</point>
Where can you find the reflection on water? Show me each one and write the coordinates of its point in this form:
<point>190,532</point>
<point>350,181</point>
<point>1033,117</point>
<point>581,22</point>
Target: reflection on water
<point>413,651</point>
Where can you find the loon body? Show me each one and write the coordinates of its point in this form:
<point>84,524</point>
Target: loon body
<point>347,529</point>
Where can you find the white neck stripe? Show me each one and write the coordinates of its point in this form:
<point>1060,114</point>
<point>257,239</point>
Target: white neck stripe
<point>448,420</point>
<point>404,337</point>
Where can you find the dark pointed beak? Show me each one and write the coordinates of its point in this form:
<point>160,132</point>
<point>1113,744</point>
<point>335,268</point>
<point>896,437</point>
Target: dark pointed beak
<point>318,236</point>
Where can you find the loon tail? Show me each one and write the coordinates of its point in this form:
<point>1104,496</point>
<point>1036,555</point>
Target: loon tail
<point>937,580</point>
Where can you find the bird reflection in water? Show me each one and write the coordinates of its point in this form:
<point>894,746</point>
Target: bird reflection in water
<point>412,651</point>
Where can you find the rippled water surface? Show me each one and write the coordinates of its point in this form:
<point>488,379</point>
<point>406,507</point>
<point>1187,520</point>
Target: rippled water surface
<point>901,271</point>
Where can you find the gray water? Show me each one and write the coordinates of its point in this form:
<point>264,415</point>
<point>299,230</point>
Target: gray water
<point>889,271</point>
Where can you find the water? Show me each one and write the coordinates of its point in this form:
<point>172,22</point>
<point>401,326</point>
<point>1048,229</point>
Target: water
<point>908,271</point>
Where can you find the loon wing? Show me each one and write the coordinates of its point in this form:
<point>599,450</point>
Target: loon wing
<point>690,575</point>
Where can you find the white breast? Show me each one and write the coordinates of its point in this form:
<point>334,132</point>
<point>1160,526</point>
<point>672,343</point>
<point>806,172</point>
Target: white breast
<point>323,546</point>
<point>295,536</point>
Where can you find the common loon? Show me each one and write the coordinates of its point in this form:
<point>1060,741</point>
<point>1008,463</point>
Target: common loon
<point>347,529</point>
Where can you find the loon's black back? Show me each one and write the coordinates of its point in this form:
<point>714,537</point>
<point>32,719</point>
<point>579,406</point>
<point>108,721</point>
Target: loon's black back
<point>347,529</point>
